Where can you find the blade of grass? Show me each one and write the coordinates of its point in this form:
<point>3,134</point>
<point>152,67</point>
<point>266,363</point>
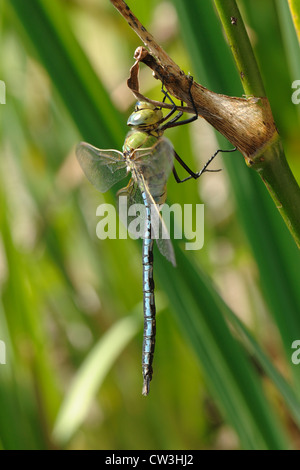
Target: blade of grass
<point>270,162</point>
<point>91,375</point>
<point>295,11</point>
<point>278,260</point>
<point>230,377</point>
<point>255,350</point>
<point>276,174</point>
<point>248,413</point>
<point>59,51</point>
<point>11,436</point>
<point>288,34</point>
<point>18,399</point>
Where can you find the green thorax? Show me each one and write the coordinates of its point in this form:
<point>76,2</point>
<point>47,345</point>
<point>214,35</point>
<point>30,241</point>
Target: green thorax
<point>136,139</point>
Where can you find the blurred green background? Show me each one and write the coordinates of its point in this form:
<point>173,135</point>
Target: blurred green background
<point>71,305</point>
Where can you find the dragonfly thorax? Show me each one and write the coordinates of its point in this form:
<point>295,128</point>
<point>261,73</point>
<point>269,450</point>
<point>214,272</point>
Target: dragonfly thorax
<point>145,116</point>
<point>137,139</point>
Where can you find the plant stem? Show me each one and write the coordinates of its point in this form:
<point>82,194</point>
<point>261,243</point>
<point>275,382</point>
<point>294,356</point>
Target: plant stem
<point>247,123</point>
<point>241,47</point>
<point>283,188</point>
<point>270,162</point>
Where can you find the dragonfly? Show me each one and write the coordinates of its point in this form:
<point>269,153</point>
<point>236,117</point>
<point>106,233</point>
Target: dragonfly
<point>149,156</point>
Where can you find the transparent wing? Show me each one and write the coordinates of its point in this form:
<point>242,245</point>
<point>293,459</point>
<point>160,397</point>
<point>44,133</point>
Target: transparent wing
<point>132,212</point>
<point>103,168</point>
<point>155,164</point>
<point>131,209</point>
<point>159,230</point>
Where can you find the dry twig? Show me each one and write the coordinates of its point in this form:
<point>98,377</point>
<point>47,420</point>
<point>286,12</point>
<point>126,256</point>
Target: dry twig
<point>246,122</point>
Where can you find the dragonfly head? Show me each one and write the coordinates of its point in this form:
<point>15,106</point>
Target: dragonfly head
<point>145,115</point>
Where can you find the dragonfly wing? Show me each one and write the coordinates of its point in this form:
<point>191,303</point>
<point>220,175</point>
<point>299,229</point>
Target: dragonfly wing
<point>103,168</point>
<point>159,230</point>
<point>167,250</point>
<point>150,169</point>
<point>132,212</point>
<point>131,208</point>
<point>155,164</point>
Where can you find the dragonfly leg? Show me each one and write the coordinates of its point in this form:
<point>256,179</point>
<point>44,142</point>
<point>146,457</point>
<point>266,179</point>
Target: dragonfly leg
<point>173,110</point>
<point>203,170</point>
<point>173,122</point>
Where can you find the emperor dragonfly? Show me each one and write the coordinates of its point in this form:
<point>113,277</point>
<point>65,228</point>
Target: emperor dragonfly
<point>148,156</point>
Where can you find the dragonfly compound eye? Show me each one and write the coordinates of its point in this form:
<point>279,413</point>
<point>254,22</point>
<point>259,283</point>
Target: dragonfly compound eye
<point>143,105</point>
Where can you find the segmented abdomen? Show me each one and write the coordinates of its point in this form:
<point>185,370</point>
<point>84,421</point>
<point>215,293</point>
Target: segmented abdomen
<point>149,302</point>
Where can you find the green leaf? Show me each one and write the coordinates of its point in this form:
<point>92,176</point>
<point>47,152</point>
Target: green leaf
<point>277,259</point>
<point>231,378</point>
<point>233,382</point>
<point>90,376</point>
